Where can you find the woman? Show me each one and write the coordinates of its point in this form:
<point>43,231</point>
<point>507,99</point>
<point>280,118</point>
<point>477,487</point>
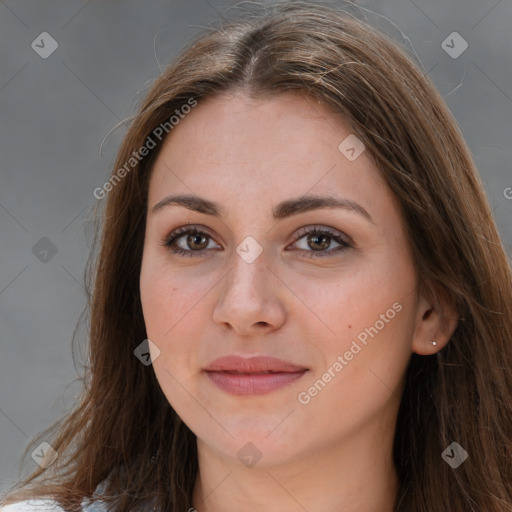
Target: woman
<point>301,300</point>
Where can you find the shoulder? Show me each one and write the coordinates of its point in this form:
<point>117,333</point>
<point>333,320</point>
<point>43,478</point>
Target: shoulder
<point>50,505</point>
<point>38,505</point>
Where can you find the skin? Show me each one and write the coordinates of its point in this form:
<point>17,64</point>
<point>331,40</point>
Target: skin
<point>333,453</point>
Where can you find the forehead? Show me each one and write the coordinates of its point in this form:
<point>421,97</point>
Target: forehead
<point>236,127</point>
<point>264,149</point>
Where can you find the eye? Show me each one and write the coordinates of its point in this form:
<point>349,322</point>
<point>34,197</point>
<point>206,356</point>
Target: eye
<point>319,239</point>
<point>192,242</point>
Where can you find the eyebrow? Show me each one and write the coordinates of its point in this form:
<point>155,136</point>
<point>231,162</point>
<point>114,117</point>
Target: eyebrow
<point>281,211</point>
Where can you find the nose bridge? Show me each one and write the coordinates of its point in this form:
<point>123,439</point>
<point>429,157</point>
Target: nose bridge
<point>248,293</point>
<point>248,276</point>
<point>249,259</point>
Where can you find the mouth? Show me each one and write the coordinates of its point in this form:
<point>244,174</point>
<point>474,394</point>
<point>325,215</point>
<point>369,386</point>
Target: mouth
<point>253,373</point>
<point>252,376</point>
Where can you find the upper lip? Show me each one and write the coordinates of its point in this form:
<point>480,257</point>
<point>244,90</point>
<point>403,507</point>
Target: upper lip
<point>254,364</point>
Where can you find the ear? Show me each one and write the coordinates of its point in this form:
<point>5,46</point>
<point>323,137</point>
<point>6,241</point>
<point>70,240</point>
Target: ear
<point>436,320</point>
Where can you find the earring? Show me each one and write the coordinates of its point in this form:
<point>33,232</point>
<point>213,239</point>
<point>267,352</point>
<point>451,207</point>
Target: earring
<point>433,343</point>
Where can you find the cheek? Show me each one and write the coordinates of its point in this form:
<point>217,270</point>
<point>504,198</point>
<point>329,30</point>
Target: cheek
<point>351,301</point>
<point>367,318</point>
<point>170,309</point>
<point>174,318</point>
<point>362,366</point>
<point>171,301</point>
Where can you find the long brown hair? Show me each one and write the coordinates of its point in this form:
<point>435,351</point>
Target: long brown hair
<point>124,431</point>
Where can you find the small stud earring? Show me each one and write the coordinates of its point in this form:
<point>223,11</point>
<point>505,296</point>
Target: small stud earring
<point>433,343</point>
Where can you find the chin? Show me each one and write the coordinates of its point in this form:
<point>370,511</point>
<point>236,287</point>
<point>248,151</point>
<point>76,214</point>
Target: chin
<point>263,442</point>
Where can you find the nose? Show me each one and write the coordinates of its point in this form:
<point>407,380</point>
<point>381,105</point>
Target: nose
<point>251,299</point>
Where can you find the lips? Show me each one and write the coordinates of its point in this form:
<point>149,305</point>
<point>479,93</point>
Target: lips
<point>251,376</point>
<point>258,364</point>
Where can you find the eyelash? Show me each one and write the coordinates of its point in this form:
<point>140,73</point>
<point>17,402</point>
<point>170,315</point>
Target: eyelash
<point>192,230</point>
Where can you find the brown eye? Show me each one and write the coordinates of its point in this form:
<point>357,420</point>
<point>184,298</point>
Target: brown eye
<point>188,241</point>
<point>319,240</point>
<point>197,241</point>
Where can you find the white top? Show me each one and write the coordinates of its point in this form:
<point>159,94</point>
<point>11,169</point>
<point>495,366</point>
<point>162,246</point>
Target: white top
<point>49,505</point>
<point>40,505</point>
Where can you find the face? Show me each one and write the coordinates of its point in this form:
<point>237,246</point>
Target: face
<point>321,296</point>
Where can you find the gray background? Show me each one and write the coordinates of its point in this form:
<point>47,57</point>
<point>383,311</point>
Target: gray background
<point>56,112</point>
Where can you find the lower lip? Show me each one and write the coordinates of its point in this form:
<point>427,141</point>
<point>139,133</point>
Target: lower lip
<point>253,383</point>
